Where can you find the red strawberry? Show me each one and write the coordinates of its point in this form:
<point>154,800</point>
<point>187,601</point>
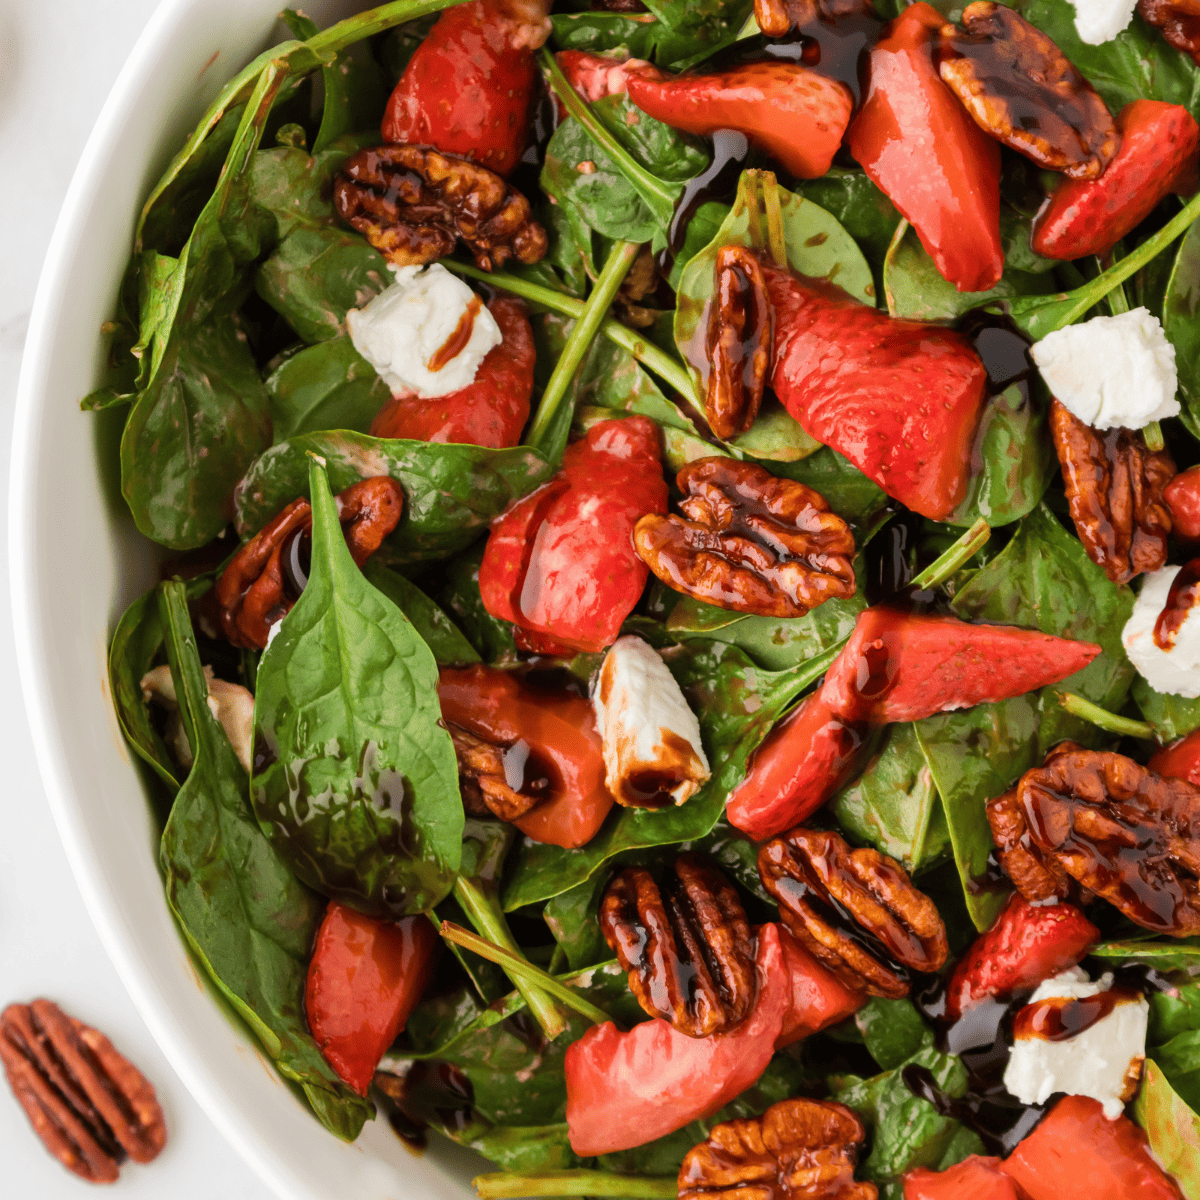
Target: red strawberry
<point>900,399</point>
<point>1182,495</point>
<point>491,410</point>
<point>975,1177</point>
<point>593,76</point>
<point>786,110</point>
<point>1179,760</point>
<point>1157,156</point>
<point>1024,947</point>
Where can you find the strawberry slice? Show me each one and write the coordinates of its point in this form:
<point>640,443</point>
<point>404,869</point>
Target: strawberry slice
<point>819,997</point>
<point>900,399</point>
<point>1157,156</point>
<point>1182,495</point>
<point>786,110</point>
<point>1024,947</point>
<point>1179,760</point>
<point>975,1177</point>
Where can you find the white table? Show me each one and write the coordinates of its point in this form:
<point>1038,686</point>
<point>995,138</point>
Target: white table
<point>57,62</point>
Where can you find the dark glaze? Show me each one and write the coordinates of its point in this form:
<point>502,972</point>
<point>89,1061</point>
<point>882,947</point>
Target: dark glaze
<point>1058,1019</point>
<point>1002,347</point>
<point>991,879</point>
<point>430,1093</point>
<point>461,335</point>
<point>730,149</point>
<point>889,558</point>
<point>1185,591</point>
<point>651,789</point>
<point>527,772</point>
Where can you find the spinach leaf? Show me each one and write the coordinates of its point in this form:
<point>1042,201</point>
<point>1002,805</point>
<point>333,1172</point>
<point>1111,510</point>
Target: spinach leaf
<point>520,1148</point>
<point>491,636</point>
<point>711,23</point>
<point>1182,954</point>
<point>571,917</point>
<point>246,917</point>
<point>893,1031</point>
<point>444,638</point>
<point>451,491</point>
<point>849,492</point>
<point>1172,1127</point>
<point>654,39</point>
<point>356,781</point>
<point>1172,716</point>
<point>1181,322</point>
<point>326,386</point>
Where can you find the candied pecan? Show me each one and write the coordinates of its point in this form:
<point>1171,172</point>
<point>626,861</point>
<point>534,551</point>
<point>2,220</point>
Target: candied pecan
<point>487,774</point>
<point>1122,831</point>
<point>90,1106</point>
<point>1114,485</point>
<point>1035,875</point>
<point>413,204</point>
<point>797,1150</point>
<point>1177,20</point>
<point>687,945</point>
<point>749,541</point>
<point>1019,87</point>
<point>777,18</point>
<point>264,578</point>
<point>740,322</point>
<point>641,283</point>
<point>856,910</point>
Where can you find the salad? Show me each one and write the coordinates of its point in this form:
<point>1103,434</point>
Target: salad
<point>675,663</point>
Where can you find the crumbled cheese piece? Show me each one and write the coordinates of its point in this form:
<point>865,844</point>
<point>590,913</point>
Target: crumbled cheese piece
<point>1104,1061</point>
<point>1099,21</point>
<point>1111,371</point>
<point>230,703</point>
<point>1175,671</point>
<point>402,330</point>
<point>651,737</point>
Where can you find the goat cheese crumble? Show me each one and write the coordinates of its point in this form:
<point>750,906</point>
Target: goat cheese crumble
<point>1111,371</point>
<point>1099,21</point>
<point>403,329</point>
<point>1175,671</point>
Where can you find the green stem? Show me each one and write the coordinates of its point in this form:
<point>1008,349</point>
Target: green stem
<point>947,563</point>
<point>1077,706</point>
<point>1153,436</point>
<point>586,327</point>
<point>514,965</point>
<point>505,1185</point>
<point>776,241</point>
<point>374,20</point>
<point>489,920</point>
<point>669,370</point>
<point>659,196</point>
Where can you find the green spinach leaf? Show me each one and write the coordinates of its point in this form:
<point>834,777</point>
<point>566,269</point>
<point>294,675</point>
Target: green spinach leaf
<point>1172,1127</point>
<point>326,386</point>
<point>893,1031</point>
<point>491,636</point>
<point>1181,322</point>
<point>450,648</point>
<point>1172,716</point>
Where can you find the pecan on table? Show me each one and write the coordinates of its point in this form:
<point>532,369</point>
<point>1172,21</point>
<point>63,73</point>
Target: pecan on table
<point>413,204</point>
<point>1123,832</point>
<point>1019,87</point>
<point>1037,876</point>
<point>749,541</point>
<point>738,342</point>
<point>1114,485</point>
<point>797,1150</point>
<point>265,577</point>
<point>488,772</point>
<point>90,1106</point>
<point>856,910</point>
<point>1177,20</point>
<point>686,944</point>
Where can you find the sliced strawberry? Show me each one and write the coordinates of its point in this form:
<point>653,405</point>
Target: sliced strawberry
<point>1182,495</point>
<point>901,666</point>
<point>974,1178</point>
<point>594,76</point>
<point>819,997</point>
<point>1157,156</point>
<point>1024,947</point>
<point>786,110</point>
<point>491,410</point>
<point>919,146</point>
<point>900,399</point>
<point>1179,760</point>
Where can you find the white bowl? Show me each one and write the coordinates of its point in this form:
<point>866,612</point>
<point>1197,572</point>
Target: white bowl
<point>76,562</point>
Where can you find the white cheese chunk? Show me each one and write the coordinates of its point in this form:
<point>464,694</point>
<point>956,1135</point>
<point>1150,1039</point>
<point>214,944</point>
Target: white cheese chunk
<point>1111,371</point>
<point>230,703</point>
<point>1099,21</point>
<point>1103,1061</point>
<point>651,737</point>
<point>403,329</point>
<point>1175,671</point>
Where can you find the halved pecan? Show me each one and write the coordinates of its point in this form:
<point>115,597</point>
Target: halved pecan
<point>687,945</point>
<point>797,1150</point>
<point>640,284</point>
<point>413,204</point>
<point>740,323</point>
<point>751,542</point>
<point>265,577</point>
<point>1019,87</point>
<point>1177,20</point>
<point>1114,485</point>
<point>90,1106</point>
<point>856,910</point>
<point>777,18</point>
<point>1122,831</point>
<point>493,779</point>
<point>1037,876</point>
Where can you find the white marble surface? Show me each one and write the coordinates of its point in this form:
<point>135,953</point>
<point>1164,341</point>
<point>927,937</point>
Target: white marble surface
<point>57,62</point>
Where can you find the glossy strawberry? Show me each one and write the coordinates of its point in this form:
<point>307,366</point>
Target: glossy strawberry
<point>1157,156</point>
<point>489,411</point>
<point>1179,760</point>
<point>1182,495</point>
<point>975,1177</point>
<point>594,76</point>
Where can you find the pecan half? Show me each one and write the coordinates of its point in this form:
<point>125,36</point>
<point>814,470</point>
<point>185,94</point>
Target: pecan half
<point>1177,20</point>
<point>686,945</point>
<point>1114,485</point>
<point>640,284</point>
<point>797,1150</point>
<point>265,577</point>
<point>413,204</point>
<point>1037,876</point>
<point>738,344</point>
<point>856,910</point>
<point>493,779</point>
<point>777,18</point>
<point>90,1106</point>
<point>1019,87</point>
<point>1123,832</point>
<point>749,541</point>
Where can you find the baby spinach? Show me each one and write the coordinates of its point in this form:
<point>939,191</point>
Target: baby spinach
<point>521,1148</point>
<point>1172,716</point>
<point>893,1030</point>
<point>451,491</point>
<point>444,639</point>
<point>1172,1127</point>
<point>491,636</point>
<point>326,386</point>
<point>667,44</point>
<point>245,915</point>
<point>847,490</point>
<point>1179,954</point>
<point>1181,322</point>
<point>356,781</point>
